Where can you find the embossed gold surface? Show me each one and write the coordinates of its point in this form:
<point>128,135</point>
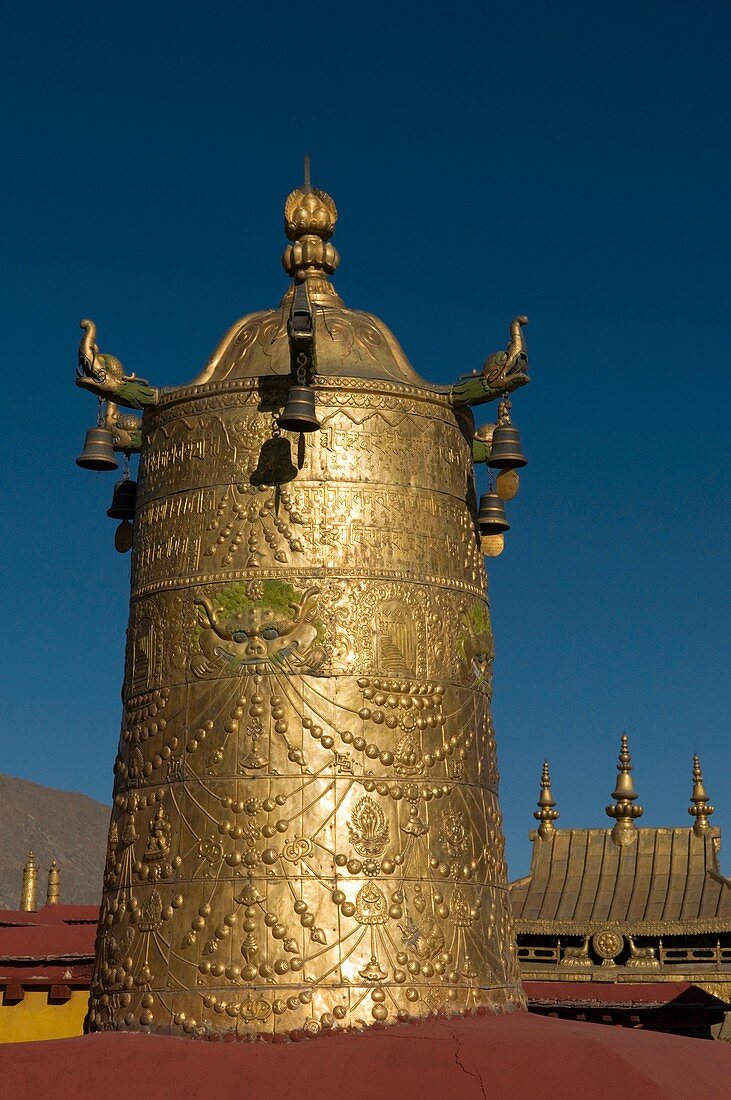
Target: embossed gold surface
<point>306,831</point>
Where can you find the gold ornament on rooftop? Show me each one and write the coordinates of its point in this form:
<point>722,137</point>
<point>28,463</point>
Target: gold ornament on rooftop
<point>53,890</point>
<point>546,814</point>
<point>624,811</point>
<point>309,222</point>
<point>701,808</point>
<point>306,831</point>
<point>29,889</point>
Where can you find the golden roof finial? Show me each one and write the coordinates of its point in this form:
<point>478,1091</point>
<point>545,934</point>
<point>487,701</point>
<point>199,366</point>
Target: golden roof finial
<point>546,813</point>
<point>701,809</point>
<point>53,890</point>
<point>623,811</point>
<point>309,221</point>
<point>28,894</point>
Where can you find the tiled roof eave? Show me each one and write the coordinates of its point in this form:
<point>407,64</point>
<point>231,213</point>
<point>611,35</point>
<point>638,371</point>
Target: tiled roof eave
<point>693,927</point>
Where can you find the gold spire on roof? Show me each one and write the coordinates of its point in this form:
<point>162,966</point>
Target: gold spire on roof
<point>701,809</point>
<point>28,895</point>
<point>309,222</point>
<point>546,813</point>
<point>623,810</point>
<point>53,890</point>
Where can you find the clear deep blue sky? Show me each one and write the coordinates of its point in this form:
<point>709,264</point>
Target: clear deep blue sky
<point>565,160</point>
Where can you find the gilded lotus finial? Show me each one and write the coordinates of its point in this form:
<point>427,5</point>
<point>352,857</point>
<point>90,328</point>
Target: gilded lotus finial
<point>309,222</point>
<point>310,211</point>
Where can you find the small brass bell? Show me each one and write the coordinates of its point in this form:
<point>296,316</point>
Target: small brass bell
<point>123,500</point>
<point>491,516</point>
<point>98,452</point>
<point>299,412</point>
<point>506,452</point>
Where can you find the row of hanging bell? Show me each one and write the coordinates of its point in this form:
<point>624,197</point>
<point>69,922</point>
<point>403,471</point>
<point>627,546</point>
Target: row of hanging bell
<point>506,453</point>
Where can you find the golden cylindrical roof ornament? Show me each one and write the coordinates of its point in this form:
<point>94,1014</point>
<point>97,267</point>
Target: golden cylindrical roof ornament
<point>29,889</point>
<point>53,889</point>
<point>306,831</point>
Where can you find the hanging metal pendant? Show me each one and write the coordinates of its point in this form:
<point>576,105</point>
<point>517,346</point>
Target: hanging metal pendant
<point>123,500</point>
<point>98,452</point>
<point>123,537</point>
<point>492,546</point>
<point>506,452</point>
<point>507,484</point>
<point>491,518</point>
<point>299,411</point>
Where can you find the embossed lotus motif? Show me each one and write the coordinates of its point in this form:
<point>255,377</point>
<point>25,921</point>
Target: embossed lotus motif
<point>368,828</point>
<point>310,211</point>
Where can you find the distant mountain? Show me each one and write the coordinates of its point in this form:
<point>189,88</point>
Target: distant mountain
<point>70,828</point>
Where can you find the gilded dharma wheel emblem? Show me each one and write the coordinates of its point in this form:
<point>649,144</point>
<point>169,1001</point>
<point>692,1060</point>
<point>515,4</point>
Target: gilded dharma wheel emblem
<point>607,943</point>
<point>306,831</point>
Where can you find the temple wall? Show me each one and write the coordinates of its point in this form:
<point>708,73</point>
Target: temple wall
<point>35,1017</point>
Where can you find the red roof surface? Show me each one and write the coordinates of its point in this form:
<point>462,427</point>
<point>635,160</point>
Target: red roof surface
<point>52,946</point>
<point>511,1057</point>
<point>50,916</point>
<point>68,941</point>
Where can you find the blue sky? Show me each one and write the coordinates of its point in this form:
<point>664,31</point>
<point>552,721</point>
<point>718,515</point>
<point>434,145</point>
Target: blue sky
<point>563,160</point>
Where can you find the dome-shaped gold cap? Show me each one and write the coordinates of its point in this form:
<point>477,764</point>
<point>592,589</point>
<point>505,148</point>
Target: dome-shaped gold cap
<point>350,343</point>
